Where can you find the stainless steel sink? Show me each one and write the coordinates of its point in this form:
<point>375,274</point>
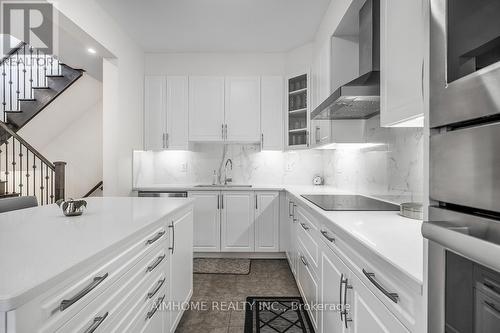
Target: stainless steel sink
<point>222,185</point>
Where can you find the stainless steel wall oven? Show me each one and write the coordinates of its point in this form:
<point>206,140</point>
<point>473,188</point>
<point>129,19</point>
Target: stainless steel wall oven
<point>464,217</point>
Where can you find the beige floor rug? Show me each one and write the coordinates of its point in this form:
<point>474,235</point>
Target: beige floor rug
<point>221,266</point>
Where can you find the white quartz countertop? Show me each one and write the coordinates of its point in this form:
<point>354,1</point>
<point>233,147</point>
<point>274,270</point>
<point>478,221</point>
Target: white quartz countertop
<point>397,240</point>
<point>40,246</point>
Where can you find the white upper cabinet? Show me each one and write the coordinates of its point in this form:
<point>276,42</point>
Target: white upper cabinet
<point>206,108</point>
<point>177,112</point>
<point>165,112</point>
<point>155,122</point>
<point>271,112</point>
<point>402,62</point>
<point>267,217</point>
<point>242,112</point>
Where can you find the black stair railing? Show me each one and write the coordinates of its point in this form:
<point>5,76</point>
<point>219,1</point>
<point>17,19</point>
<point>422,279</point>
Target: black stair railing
<point>27,172</point>
<point>23,69</point>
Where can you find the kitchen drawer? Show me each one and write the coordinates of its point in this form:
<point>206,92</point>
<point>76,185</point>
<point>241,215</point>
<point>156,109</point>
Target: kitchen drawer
<point>148,316</point>
<point>307,234</point>
<point>308,284</point>
<point>379,277</point>
<point>86,286</point>
<point>108,307</point>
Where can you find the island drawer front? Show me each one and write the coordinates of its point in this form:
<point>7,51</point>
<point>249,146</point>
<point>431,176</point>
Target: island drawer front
<point>114,266</point>
<point>372,270</point>
<point>141,313</point>
<point>307,234</point>
<point>109,307</point>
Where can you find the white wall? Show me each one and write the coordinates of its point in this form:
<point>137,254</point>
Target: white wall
<point>123,87</point>
<point>70,130</point>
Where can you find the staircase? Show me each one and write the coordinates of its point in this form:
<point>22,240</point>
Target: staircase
<point>29,81</point>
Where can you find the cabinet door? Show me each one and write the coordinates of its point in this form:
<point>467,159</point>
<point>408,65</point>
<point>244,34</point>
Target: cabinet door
<point>181,265</point>
<point>206,221</point>
<point>154,112</point>
<point>402,49</point>
<point>308,285</point>
<point>267,211</point>
<point>333,271</point>
<point>243,109</point>
<point>368,313</point>
<point>271,112</point>
<point>177,112</point>
<point>237,223</point>
<point>206,108</point>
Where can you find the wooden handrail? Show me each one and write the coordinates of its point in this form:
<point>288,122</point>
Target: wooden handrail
<point>12,51</point>
<point>28,146</point>
<point>93,189</point>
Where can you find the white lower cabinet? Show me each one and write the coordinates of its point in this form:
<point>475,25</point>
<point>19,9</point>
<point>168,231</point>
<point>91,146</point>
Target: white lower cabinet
<point>332,276</point>
<point>181,268</point>
<point>368,313</point>
<point>267,215</point>
<point>308,285</point>
<point>341,298</point>
<point>130,289</point>
<point>206,221</point>
<point>237,222</point>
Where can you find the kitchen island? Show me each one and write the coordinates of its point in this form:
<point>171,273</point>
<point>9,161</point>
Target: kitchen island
<point>118,260</point>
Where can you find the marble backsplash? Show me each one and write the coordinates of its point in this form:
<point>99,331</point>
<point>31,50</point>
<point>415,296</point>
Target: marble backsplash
<point>396,168</point>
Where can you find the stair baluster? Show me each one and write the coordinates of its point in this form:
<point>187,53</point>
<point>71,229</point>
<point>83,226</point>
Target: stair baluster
<point>47,179</point>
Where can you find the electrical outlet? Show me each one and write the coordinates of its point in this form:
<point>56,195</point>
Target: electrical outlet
<point>289,167</point>
<point>184,167</point>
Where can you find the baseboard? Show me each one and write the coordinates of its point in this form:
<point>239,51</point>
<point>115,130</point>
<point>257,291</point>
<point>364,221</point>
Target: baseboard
<point>249,255</point>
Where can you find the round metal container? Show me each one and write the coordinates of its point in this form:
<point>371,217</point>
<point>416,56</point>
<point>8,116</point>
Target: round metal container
<point>412,210</point>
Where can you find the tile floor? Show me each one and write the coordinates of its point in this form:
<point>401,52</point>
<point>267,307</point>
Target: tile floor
<point>223,296</point>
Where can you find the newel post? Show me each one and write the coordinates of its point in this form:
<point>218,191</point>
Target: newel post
<point>59,180</point>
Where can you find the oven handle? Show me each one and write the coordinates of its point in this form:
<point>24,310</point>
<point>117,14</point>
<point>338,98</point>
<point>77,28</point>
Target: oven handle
<point>457,239</point>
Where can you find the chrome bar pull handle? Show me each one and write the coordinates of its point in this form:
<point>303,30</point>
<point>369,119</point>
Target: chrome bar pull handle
<point>155,238</point>
<point>172,226</point>
<point>66,303</point>
<point>371,277</point>
<point>341,312</point>
<point>344,305</point>
<point>158,302</point>
<point>304,261</point>
<point>158,286</point>
<point>256,203</point>
<point>325,234</point>
<point>155,263</point>
<point>96,323</point>
<point>305,226</point>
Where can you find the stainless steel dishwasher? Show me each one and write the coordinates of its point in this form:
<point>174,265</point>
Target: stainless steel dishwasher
<point>170,194</point>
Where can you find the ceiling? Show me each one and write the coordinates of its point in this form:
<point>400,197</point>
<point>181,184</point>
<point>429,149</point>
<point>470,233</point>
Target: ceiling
<point>218,25</point>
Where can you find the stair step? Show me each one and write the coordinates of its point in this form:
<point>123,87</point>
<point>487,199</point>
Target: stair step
<point>54,75</point>
<point>27,99</point>
<point>13,111</point>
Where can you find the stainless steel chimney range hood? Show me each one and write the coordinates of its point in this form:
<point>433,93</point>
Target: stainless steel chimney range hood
<point>360,98</point>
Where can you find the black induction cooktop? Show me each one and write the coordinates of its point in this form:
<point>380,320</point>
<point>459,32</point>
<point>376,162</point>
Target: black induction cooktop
<point>350,202</point>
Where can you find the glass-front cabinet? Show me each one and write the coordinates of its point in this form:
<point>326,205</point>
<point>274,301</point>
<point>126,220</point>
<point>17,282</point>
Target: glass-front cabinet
<point>298,112</point>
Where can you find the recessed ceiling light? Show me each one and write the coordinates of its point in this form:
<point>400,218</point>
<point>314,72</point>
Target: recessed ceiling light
<point>91,50</point>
